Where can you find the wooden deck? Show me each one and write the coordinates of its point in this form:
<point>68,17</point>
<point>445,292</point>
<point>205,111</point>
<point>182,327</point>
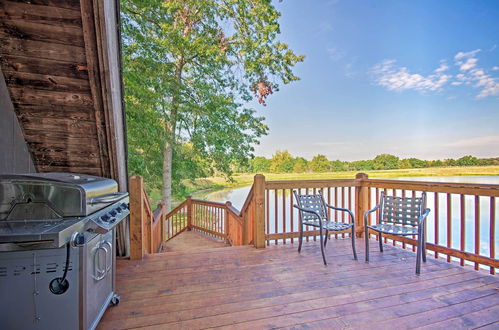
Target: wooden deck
<point>247,288</point>
<point>191,241</point>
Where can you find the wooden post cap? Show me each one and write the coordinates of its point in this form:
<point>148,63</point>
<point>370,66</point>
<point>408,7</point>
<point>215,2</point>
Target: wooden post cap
<point>361,176</point>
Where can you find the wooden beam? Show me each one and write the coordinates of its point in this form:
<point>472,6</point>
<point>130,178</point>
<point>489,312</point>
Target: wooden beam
<point>259,226</point>
<point>136,221</point>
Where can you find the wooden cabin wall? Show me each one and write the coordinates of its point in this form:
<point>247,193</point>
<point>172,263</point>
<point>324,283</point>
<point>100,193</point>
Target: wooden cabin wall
<point>43,58</point>
<point>14,154</point>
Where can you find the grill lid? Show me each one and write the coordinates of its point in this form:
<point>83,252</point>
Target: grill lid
<point>54,195</point>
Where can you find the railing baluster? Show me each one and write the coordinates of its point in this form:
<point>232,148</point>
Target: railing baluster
<point>403,243</point>
<point>449,224</point>
<point>336,204</point>
<point>477,228</point>
<point>350,204</point>
<point>275,215</point>
<point>291,213</point>
<point>492,231</point>
<point>436,217</point>
<point>377,212</point>
<point>343,206</point>
<point>267,210</point>
<point>284,214</point>
<point>307,228</point>
<point>413,194</point>
<point>463,225</point>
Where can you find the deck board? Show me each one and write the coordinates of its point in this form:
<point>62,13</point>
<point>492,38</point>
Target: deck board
<point>246,288</point>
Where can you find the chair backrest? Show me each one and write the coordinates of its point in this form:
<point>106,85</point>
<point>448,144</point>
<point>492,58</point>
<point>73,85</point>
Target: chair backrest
<point>311,201</point>
<point>401,210</point>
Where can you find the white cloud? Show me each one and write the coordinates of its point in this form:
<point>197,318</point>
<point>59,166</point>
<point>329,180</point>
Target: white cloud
<point>443,67</point>
<point>469,64</point>
<point>461,55</point>
<point>399,78</point>
<point>475,76</point>
<point>335,54</point>
<point>466,60</point>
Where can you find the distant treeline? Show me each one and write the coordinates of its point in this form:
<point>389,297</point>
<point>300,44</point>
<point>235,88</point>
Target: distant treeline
<point>284,162</point>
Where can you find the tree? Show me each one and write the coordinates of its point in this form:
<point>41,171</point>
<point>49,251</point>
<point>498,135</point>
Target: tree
<point>320,163</point>
<point>385,162</point>
<point>191,64</point>
<point>300,165</point>
<point>338,166</point>
<point>260,165</point>
<point>282,162</point>
<point>467,161</point>
<point>412,163</point>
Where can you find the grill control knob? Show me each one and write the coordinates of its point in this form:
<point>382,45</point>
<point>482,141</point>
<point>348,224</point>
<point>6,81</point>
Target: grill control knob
<point>77,239</point>
<point>113,213</point>
<point>105,218</point>
<point>124,206</point>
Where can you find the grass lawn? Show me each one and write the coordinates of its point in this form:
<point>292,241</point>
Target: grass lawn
<point>247,178</point>
<point>200,187</point>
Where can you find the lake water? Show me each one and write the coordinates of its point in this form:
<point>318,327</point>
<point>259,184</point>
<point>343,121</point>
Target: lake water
<point>238,197</point>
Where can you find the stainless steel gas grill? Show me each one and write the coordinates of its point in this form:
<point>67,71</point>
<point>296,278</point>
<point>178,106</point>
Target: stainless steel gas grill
<point>57,249</point>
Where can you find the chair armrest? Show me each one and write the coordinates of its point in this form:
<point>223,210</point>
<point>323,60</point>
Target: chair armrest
<point>368,212</point>
<point>423,216</point>
<point>344,210</point>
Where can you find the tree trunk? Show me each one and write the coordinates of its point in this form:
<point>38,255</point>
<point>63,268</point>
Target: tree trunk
<point>167,176</point>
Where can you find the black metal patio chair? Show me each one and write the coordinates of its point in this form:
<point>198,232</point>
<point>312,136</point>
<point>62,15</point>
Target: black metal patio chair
<point>313,212</point>
<point>401,216</point>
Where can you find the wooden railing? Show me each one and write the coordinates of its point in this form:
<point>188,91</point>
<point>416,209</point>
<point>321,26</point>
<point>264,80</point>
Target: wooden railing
<point>462,224</point>
<point>176,221</point>
<point>150,229</point>
<point>462,221</point>
<point>146,226</point>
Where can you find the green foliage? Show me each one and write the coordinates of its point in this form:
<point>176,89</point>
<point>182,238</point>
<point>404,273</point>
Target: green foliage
<point>338,166</point>
<point>362,165</point>
<point>467,161</point>
<point>385,162</point>
<point>282,162</point>
<point>300,166</point>
<point>260,165</point>
<point>412,163</point>
<point>188,67</point>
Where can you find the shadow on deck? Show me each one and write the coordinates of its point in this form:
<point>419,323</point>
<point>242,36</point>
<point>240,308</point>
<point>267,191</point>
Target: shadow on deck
<point>247,288</point>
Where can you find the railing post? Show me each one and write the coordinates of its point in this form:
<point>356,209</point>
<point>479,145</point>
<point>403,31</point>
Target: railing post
<point>189,213</point>
<point>226,222</point>
<point>136,218</point>
<point>361,203</point>
<point>259,226</point>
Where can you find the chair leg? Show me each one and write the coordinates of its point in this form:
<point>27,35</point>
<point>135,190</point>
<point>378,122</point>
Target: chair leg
<point>353,244</point>
<point>366,238</point>
<point>423,244</point>
<point>380,238</point>
<point>327,235</point>
<point>418,254</point>
<point>322,247</point>
<point>300,240</point>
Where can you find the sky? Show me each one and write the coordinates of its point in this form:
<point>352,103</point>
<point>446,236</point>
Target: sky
<point>410,78</point>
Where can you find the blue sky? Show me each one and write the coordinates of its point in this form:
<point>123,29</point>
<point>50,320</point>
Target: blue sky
<point>410,78</point>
